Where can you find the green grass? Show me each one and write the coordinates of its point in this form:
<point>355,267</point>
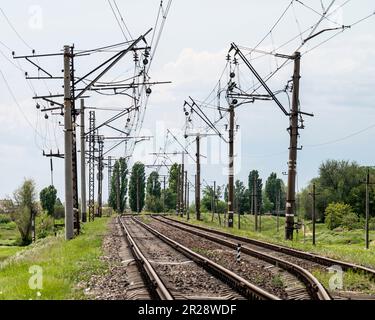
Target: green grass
<point>8,234</point>
<point>64,265</point>
<point>7,251</point>
<point>338,244</point>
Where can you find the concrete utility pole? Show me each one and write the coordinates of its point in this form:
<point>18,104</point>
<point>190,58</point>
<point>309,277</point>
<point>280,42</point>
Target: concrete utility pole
<point>100,177</point>
<point>368,183</point>
<point>255,201</point>
<point>91,138</point>
<point>118,190</point>
<point>292,165</point>
<point>198,182</point>
<point>51,165</point>
<point>231,169</point>
<point>278,200</point>
<point>178,190</point>
<point>138,204</point>
<point>164,194</point>
<point>69,227</point>
<point>109,176</point>
<point>83,163</point>
<point>313,216</point>
<point>186,193</point>
<point>187,201</point>
<point>182,185</point>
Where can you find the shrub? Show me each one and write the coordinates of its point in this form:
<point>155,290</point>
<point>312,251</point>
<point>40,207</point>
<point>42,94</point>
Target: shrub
<point>5,218</point>
<point>44,225</point>
<point>335,213</point>
<point>59,211</point>
<point>350,221</point>
<point>154,204</point>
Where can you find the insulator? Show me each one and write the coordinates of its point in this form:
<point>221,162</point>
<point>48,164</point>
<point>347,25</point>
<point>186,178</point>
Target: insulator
<point>186,113</point>
<point>52,104</point>
<point>38,106</point>
<point>46,116</point>
<point>148,91</point>
<point>128,119</point>
<point>145,61</point>
<point>232,75</point>
<point>234,101</point>
<point>13,53</point>
<point>61,113</point>
<point>33,51</point>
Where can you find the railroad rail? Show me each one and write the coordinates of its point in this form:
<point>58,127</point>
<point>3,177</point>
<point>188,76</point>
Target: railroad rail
<point>156,286</point>
<point>238,284</point>
<point>315,288</point>
<point>327,262</point>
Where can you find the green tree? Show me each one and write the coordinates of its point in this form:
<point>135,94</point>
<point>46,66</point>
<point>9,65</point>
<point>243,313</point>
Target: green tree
<point>209,196</point>
<point>274,188</point>
<point>254,175</point>
<point>339,181</point>
<point>241,197</point>
<point>153,185</point>
<point>153,199</point>
<point>25,209</point>
<point>120,169</point>
<point>48,198</point>
<point>171,191</point>
<point>137,186</point>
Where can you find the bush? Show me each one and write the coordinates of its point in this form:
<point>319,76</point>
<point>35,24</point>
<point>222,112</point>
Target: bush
<point>59,211</point>
<point>44,225</point>
<point>350,221</point>
<point>338,213</point>
<point>154,204</point>
<point>5,218</point>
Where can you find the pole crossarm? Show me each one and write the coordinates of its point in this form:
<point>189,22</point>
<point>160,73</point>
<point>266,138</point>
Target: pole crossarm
<point>112,61</point>
<point>259,78</point>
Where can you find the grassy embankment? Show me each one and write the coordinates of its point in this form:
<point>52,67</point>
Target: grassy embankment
<point>64,264</point>
<point>345,245</point>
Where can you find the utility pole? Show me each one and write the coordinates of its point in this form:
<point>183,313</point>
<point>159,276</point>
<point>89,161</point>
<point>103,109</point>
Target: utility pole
<point>368,183</point>
<point>68,139</point>
<point>178,190</point>
<point>109,176</point>
<point>313,216</point>
<point>51,165</point>
<point>138,204</point>
<point>198,182</point>
<point>83,163</point>
<point>118,191</point>
<point>231,169</point>
<point>91,138</point>
<point>186,193</point>
<point>164,194</point>
<point>292,165</point>
<point>278,200</point>
<point>182,186</point>
<point>100,176</point>
<point>255,200</point>
<point>187,201</point>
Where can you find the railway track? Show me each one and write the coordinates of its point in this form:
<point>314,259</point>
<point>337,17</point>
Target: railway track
<point>172,271</point>
<point>314,288</point>
<point>302,258</point>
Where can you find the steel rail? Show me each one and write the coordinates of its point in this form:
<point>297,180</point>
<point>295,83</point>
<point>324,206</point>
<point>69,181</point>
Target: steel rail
<point>314,287</point>
<point>244,287</point>
<point>158,289</point>
<point>293,252</point>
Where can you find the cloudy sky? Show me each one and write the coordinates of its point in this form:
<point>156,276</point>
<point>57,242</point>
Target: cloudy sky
<point>337,83</point>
